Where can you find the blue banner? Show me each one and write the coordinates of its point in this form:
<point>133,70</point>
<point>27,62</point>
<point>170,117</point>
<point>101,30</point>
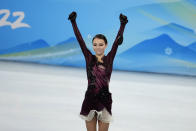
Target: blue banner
<point>160,36</point>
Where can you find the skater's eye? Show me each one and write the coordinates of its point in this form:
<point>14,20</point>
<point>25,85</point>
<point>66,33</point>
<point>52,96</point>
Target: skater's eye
<point>100,44</point>
<point>94,44</point>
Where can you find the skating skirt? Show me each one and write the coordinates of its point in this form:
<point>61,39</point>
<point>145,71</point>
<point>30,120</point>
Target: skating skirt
<point>102,115</point>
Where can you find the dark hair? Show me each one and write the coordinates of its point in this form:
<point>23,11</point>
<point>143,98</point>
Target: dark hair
<point>100,36</point>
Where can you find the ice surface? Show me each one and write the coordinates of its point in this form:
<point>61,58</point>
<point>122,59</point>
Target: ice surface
<point>48,98</point>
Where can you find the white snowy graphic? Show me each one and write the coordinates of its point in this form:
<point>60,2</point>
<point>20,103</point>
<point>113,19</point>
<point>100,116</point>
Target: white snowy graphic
<point>89,36</point>
<point>168,51</point>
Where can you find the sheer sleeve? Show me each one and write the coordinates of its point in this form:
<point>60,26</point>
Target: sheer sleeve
<point>81,42</point>
<point>115,45</point>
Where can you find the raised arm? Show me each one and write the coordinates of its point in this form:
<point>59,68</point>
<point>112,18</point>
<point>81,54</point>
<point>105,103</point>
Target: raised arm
<point>72,18</point>
<point>119,38</point>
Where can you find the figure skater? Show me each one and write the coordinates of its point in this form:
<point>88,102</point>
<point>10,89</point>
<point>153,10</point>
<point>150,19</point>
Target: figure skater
<point>97,104</point>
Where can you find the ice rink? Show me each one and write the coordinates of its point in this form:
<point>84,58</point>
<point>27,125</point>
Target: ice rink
<point>48,98</point>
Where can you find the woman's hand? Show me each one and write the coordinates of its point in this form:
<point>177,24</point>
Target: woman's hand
<point>123,19</point>
<point>72,16</point>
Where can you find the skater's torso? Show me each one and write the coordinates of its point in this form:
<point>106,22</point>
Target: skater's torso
<point>98,73</point>
<point>97,95</point>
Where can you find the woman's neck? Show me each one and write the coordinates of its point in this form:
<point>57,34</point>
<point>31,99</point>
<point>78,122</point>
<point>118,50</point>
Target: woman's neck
<point>99,57</point>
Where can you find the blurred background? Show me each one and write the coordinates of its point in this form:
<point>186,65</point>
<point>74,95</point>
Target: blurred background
<point>154,77</point>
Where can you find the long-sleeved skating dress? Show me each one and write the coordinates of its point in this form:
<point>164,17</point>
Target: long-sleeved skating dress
<point>98,98</point>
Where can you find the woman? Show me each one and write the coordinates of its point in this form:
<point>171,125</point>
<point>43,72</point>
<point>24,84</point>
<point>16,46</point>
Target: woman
<point>97,103</point>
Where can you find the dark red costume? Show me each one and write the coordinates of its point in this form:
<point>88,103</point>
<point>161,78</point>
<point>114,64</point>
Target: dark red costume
<point>98,95</point>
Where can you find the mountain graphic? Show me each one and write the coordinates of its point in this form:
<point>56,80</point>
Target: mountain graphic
<point>25,47</point>
<point>175,28</point>
<point>70,43</point>
<point>162,45</point>
<point>69,40</point>
<point>67,52</point>
<point>192,46</point>
<point>39,47</point>
<point>176,31</point>
<point>153,13</point>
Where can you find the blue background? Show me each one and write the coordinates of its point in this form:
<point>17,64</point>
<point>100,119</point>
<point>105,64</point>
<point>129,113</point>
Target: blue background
<point>160,36</point>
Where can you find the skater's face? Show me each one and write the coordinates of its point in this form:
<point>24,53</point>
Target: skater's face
<point>99,46</point>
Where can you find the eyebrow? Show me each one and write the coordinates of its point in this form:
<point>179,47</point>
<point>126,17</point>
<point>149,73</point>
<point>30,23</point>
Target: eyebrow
<point>98,43</point>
